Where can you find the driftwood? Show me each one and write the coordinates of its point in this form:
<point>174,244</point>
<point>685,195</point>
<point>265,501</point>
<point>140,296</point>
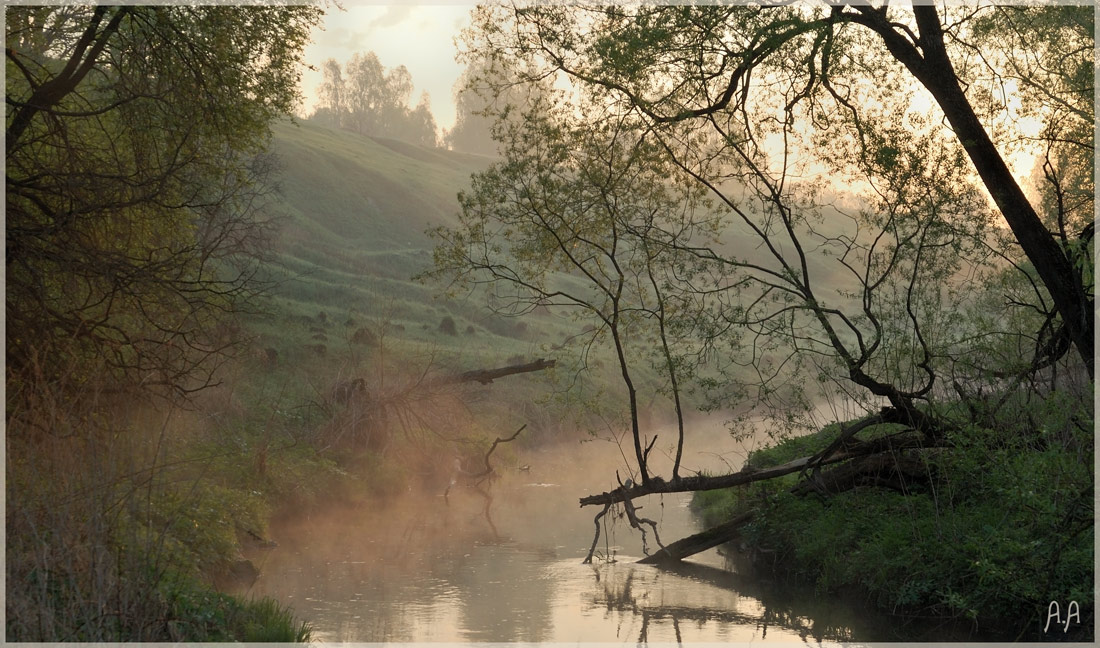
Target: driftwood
<point>486,376</point>
<point>701,541</point>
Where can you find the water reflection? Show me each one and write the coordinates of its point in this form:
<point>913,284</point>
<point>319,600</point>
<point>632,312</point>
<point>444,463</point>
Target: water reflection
<point>450,577</point>
<point>424,568</point>
<point>697,603</point>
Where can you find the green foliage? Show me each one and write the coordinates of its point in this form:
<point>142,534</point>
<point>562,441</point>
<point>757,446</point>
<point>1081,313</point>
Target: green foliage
<point>136,176</point>
<point>194,525</point>
<point>793,448</point>
<point>1006,527</point>
<point>371,101</point>
<point>718,506</point>
<point>200,615</point>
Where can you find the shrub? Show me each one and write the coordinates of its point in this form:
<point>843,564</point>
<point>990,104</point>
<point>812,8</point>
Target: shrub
<point>364,335</point>
<point>201,615</point>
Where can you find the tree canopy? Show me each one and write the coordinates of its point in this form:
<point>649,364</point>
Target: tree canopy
<point>136,176</point>
<point>858,160</point>
<point>368,99</point>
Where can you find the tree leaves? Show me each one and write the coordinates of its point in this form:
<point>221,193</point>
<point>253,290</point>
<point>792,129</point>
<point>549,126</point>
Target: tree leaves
<point>136,173</point>
<point>849,212</point>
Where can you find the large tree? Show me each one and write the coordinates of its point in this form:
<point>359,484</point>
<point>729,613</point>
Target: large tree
<point>579,217</point>
<point>862,251</point>
<point>135,181</point>
<point>746,74</point>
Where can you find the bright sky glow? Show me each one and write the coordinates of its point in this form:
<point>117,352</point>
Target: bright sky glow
<point>420,37</point>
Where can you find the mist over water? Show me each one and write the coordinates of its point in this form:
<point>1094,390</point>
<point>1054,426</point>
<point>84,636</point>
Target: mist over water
<point>421,567</point>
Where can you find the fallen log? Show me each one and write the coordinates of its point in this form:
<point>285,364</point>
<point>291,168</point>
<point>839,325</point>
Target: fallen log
<point>701,541</point>
<point>486,376</point>
<point>897,471</point>
<point>900,472</point>
<point>703,482</point>
<point>357,389</point>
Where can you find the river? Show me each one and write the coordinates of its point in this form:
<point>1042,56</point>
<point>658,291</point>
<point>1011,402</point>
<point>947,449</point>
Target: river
<point>422,567</point>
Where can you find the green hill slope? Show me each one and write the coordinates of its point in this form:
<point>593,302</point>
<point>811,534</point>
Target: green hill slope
<point>360,206</point>
<point>356,211</point>
<point>354,214</point>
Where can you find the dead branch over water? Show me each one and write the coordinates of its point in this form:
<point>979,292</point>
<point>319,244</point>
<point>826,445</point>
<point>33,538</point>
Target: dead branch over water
<point>890,461</point>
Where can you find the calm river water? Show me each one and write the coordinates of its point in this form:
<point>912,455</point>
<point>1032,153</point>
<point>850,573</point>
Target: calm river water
<point>422,568</point>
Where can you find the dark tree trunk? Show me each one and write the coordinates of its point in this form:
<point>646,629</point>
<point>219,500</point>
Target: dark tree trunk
<point>932,67</point>
<point>50,93</point>
<point>699,542</point>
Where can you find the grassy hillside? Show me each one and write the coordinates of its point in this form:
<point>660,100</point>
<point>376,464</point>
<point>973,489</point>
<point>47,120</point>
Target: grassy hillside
<point>355,211</point>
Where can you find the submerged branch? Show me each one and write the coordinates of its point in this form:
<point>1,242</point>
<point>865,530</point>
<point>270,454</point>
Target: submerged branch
<point>596,539</point>
<point>636,522</point>
<point>488,468</point>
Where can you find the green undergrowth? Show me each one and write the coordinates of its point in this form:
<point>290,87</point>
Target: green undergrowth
<point>200,615</point>
<point>1004,527</point>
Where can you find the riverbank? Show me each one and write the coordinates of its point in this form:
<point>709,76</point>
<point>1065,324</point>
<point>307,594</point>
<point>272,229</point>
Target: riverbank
<point>1000,527</point>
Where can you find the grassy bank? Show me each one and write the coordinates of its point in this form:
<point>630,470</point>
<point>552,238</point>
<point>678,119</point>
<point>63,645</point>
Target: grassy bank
<point>1002,527</point>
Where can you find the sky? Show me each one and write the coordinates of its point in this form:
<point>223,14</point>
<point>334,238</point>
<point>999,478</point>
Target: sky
<point>420,37</point>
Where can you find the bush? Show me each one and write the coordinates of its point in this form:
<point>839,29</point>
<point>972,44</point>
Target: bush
<point>198,614</point>
<point>447,325</point>
<point>364,335</point>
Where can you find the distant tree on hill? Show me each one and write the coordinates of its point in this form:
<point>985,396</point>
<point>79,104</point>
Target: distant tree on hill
<point>484,92</point>
<point>368,99</point>
<point>333,103</point>
<point>472,132</point>
<point>419,127</point>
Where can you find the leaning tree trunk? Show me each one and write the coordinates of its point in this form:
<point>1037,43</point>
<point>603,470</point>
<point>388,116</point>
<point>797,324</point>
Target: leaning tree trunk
<point>933,68</point>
